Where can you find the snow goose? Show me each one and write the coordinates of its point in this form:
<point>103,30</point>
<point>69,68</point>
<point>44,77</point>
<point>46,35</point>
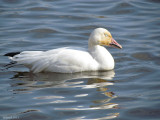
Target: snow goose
<point>71,60</point>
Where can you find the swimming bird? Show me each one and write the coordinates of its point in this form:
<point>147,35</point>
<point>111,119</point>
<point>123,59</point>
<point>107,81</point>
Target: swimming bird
<point>71,60</point>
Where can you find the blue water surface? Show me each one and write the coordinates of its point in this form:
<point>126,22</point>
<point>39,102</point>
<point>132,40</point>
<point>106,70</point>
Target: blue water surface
<point>129,92</point>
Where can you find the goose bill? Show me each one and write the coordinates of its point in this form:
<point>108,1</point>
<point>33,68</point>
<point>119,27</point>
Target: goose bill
<point>115,44</point>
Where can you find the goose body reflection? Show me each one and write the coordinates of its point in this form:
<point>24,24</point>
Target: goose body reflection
<point>70,60</point>
<point>67,92</point>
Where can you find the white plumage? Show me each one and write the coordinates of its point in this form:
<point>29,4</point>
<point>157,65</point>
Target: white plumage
<point>69,60</point>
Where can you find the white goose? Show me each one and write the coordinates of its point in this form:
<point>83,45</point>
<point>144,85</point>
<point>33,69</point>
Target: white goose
<point>69,60</point>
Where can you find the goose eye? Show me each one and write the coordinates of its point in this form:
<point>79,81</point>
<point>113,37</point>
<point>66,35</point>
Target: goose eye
<point>106,35</point>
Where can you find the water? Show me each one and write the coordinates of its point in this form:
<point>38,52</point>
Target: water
<point>131,91</point>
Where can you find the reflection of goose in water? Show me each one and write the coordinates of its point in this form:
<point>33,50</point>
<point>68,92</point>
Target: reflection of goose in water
<point>71,60</point>
<point>79,85</point>
<point>61,79</point>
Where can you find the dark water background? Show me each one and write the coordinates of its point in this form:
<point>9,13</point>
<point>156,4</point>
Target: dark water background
<point>130,92</point>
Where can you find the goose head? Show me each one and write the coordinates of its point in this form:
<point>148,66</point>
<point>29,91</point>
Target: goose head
<point>101,36</point>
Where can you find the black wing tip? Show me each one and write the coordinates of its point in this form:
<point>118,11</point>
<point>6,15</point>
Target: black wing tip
<point>11,54</point>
